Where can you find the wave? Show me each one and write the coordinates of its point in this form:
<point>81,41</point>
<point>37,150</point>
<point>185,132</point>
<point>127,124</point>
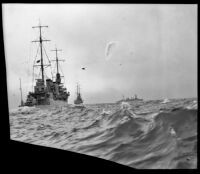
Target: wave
<point>147,136</point>
<point>129,138</point>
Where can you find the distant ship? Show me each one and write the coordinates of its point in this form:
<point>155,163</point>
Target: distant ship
<point>130,99</point>
<point>78,101</point>
<point>46,91</point>
<point>22,102</point>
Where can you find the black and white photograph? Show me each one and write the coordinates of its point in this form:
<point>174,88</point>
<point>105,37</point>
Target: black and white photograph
<point>116,82</point>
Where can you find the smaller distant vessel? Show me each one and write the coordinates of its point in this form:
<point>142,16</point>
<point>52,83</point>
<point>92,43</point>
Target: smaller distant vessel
<point>130,99</point>
<point>22,103</point>
<point>78,101</point>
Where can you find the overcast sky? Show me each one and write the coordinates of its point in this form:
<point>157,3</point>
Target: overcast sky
<point>154,49</point>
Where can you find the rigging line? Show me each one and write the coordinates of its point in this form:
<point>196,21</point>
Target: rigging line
<point>28,67</point>
<point>46,75</point>
<point>29,64</point>
<point>46,54</point>
<point>29,56</point>
<point>40,73</point>
<point>61,69</point>
<point>62,72</point>
<point>33,78</point>
<point>49,61</point>
<point>36,54</point>
<point>54,70</point>
<point>51,72</point>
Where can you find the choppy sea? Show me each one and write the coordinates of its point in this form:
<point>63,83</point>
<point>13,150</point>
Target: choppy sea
<point>152,134</point>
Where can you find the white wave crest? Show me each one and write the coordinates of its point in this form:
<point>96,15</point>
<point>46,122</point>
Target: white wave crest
<point>23,110</point>
<point>193,106</point>
<point>165,100</point>
<point>125,105</point>
<point>105,112</point>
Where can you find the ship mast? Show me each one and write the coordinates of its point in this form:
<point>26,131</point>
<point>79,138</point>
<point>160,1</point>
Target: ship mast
<point>78,99</point>
<point>41,51</point>
<point>56,50</point>
<point>77,89</point>
<point>21,92</point>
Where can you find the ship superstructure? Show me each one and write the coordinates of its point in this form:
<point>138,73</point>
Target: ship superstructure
<point>46,89</point>
<point>56,87</point>
<point>135,98</point>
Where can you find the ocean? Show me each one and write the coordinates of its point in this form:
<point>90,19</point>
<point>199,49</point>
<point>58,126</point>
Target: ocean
<point>153,134</point>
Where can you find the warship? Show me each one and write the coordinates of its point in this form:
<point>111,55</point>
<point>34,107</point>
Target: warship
<point>46,91</point>
<point>78,101</point>
<point>130,99</point>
